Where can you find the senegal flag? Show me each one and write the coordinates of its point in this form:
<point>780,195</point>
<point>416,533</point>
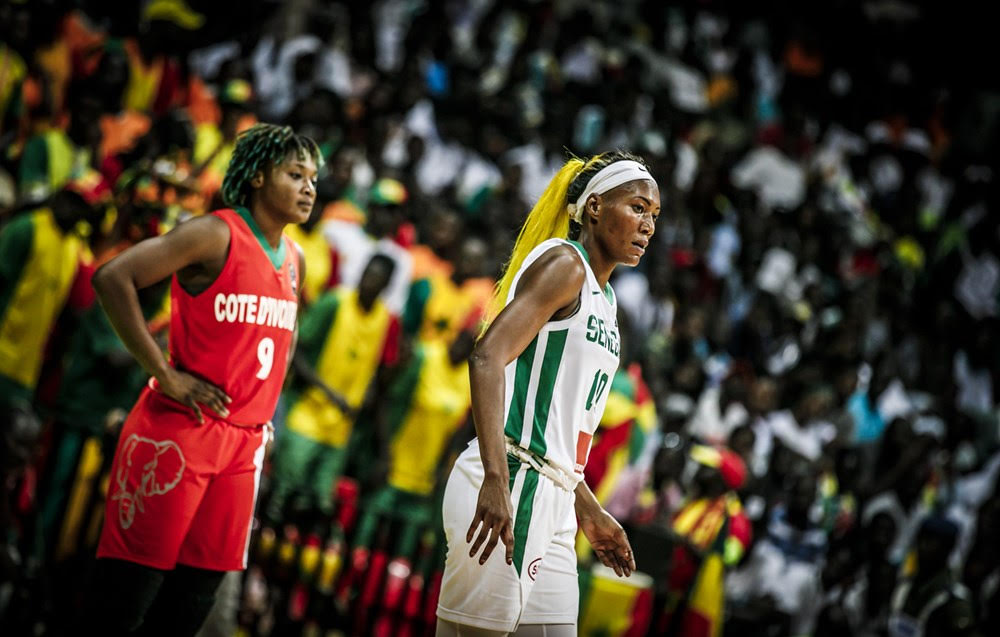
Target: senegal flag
<point>611,606</point>
<point>704,613</point>
<point>721,531</point>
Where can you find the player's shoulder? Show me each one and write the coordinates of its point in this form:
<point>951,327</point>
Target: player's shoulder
<point>212,223</point>
<point>560,262</point>
<point>207,235</point>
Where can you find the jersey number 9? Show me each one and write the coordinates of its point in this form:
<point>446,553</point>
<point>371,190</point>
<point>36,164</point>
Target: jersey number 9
<point>265,354</point>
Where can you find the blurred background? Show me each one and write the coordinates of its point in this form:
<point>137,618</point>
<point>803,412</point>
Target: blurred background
<point>803,436</point>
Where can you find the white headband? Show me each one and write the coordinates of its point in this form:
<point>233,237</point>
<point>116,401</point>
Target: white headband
<point>609,177</point>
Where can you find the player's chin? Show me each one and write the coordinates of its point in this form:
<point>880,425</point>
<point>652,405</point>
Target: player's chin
<point>630,260</point>
<point>299,214</point>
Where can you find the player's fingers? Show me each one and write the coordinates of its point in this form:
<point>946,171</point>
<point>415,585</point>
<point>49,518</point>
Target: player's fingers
<point>623,565</point>
<point>221,395</point>
<point>490,545</point>
<point>209,396</point>
<point>625,552</point>
<point>616,566</point>
<point>193,404</point>
<point>603,557</point>
<point>607,558</point>
<point>508,540</point>
<point>613,561</point>
<point>219,407</point>
<point>475,525</point>
<point>484,533</point>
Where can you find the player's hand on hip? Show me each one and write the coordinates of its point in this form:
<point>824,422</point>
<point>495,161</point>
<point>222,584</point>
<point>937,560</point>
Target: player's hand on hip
<point>610,542</point>
<point>194,392</point>
<point>495,520</point>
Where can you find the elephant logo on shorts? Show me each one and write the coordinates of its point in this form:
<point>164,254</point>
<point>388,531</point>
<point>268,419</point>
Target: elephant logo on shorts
<point>155,467</point>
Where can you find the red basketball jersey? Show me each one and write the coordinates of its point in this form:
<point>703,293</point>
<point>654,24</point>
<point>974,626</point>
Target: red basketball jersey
<point>237,333</point>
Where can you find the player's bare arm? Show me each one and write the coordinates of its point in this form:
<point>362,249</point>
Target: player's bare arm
<point>200,246</point>
<point>606,536</point>
<point>549,289</point>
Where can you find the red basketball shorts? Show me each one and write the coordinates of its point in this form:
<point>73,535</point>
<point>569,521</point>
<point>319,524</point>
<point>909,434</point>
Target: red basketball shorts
<point>180,492</point>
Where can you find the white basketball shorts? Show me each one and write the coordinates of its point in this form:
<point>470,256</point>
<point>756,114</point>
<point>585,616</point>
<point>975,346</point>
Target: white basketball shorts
<point>541,587</point>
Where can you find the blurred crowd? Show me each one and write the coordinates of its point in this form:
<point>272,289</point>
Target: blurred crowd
<point>803,437</point>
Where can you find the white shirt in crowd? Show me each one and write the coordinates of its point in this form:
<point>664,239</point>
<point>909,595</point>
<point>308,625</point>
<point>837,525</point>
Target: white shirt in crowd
<point>355,248</point>
<point>710,423</point>
<point>646,314</point>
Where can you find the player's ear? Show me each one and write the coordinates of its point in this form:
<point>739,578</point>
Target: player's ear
<point>593,207</point>
<point>257,180</point>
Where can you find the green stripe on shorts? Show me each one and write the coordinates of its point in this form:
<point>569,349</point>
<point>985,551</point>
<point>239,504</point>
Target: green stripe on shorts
<point>523,520</point>
<point>513,464</point>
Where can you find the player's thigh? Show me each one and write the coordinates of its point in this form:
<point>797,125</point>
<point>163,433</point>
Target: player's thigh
<point>555,596</point>
<point>485,596</point>
<point>220,532</point>
<point>158,479</point>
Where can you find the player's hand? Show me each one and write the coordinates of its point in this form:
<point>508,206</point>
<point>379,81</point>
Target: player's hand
<point>194,392</point>
<point>496,515</point>
<point>610,542</point>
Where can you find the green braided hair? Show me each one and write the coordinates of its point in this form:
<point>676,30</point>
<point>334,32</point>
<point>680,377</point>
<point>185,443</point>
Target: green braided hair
<point>257,148</point>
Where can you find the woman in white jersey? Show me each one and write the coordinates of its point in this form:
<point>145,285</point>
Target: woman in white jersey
<point>540,377</point>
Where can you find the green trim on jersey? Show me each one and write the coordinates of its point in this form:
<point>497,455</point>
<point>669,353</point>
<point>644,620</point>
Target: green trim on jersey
<point>276,255</point>
<point>546,386</point>
<point>519,399</point>
<point>609,294</point>
<point>522,521</point>
<point>16,240</point>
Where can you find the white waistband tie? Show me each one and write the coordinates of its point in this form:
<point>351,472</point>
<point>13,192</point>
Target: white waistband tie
<point>538,464</point>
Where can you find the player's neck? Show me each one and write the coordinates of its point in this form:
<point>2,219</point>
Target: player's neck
<point>600,264</point>
<point>269,226</point>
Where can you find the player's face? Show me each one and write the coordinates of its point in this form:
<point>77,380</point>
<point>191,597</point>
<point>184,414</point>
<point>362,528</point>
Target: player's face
<point>290,188</point>
<point>627,220</point>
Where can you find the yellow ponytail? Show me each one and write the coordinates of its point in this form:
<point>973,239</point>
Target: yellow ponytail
<point>547,220</point>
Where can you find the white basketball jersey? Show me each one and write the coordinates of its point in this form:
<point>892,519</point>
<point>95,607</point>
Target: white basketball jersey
<point>557,388</point>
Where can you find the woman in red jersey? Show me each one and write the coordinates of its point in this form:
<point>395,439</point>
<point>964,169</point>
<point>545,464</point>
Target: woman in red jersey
<point>185,474</point>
